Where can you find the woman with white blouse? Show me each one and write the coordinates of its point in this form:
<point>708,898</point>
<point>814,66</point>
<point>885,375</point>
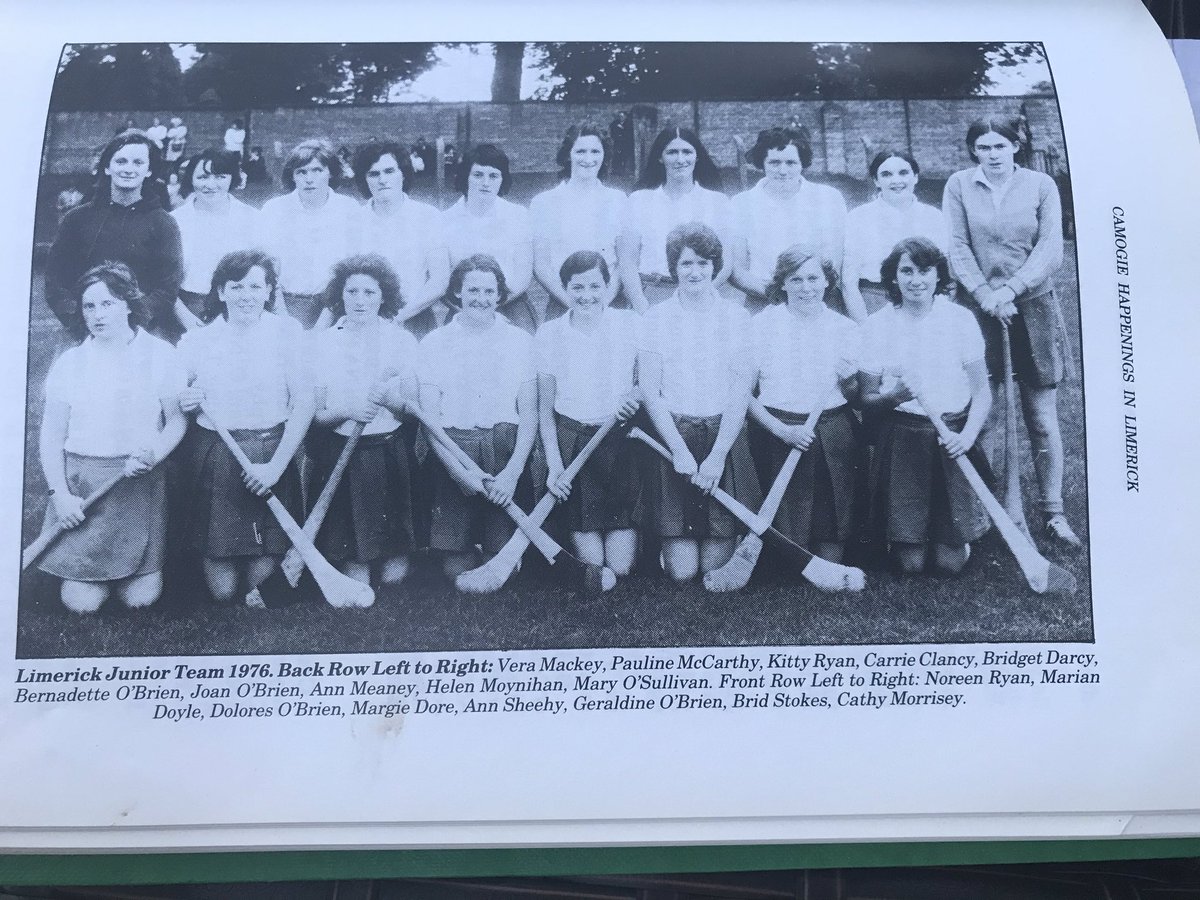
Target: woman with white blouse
<point>581,213</point>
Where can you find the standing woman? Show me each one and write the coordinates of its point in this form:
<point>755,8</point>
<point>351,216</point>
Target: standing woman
<point>695,371</point>
<point>477,379</point>
<point>404,231</point>
<point>783,209</point>
<point>808,359</point>
<point>680,184</point>
<point>923,343</point>
<point>581,213</point>
<point>369,528</point>
<point>212,222</point>
<point>310,228</point>
<point>111,409</point>
<point>874,228</point>
<point>586,361</point>
<point>246,368</point>
<point>482,221</point>
<point>124,222</point>
<point>1006,245</point>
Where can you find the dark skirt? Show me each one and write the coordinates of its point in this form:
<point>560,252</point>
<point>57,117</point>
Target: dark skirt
<point>918,493</point>
<point>124,532</point>
<point>304,308</point>
<point>819,502</point>
<point>606,495</point>
<point>1038,336</point>
<point>370,517</point>
<point>460,522</point>
<point>225,519</point>
<point>682,511</point>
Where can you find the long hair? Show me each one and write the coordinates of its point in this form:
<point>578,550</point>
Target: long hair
<point>121,283</point>
<point>574,133</point>
<point>103,188</point>
<point>706,174</point>
<point>372,265</point>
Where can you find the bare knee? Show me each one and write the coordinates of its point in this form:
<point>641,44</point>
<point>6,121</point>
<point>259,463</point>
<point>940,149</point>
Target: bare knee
<point>454,564</point>
<point>910,558</point>
<point>84,596</point>
<point>681,559</point>
<point>394,570</point>
<point>140,591</point>
<point>951,558</point>
<point>222,579</point>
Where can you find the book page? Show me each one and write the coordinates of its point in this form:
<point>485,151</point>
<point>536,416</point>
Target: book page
<point>888,318</point>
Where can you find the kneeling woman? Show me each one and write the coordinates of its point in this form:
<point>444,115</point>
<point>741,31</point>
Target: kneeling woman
<point>246,374</point>
<point>808,358</point>
<point>369,522</point>
<point>925,346</point>
<point>585,376</point>
<point>111,410</point>
<point>695,371</point>
<point>478,380</point>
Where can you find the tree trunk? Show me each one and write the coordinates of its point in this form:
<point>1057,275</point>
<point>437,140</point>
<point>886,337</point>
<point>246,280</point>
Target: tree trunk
<point>506,77</point>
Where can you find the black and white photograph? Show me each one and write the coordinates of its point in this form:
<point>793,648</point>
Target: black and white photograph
<point>408,347</point>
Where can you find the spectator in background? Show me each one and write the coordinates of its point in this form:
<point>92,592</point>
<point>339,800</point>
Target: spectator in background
<point>176,142</point>
<point>235,139</point>
<point>256,167</point>
<point>157,132</point>
<point>124,221</point>
<point>620,135</point>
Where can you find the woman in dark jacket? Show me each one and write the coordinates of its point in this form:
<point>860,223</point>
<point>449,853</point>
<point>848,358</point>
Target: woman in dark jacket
<point>125,221</point>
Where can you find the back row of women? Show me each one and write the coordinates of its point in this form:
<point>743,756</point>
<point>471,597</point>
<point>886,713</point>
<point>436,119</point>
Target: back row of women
<point>1002,228</point>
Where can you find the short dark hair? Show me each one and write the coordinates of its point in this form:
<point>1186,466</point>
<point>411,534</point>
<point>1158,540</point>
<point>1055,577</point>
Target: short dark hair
<point>121,283</point>
<point>789,262</point>
<point>705,174</point>
<point>304,153</point>
<point>220,162</point>
<point>373,265</point>
<point>234,267</point>
<point>368,155</point>
<point>574,133</point>
<point>124,139</point>
<point>779,139</point>
<point>884,155</point>
<point>697,237</point>
<point>1006,128</point>
<point>583,261</point>
<point>925,255</point>
<point>479,262</point>
<point>483,155</point>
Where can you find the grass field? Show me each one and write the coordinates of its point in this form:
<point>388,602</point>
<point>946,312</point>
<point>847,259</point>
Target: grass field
<point>988,603</point>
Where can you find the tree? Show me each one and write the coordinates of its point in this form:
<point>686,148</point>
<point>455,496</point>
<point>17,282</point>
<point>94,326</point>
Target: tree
<point>237,76</point>
<point>118,76</point>
<point>506,77</point>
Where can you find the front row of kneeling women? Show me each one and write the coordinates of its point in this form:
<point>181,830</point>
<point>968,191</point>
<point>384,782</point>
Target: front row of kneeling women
<point>117,404</point>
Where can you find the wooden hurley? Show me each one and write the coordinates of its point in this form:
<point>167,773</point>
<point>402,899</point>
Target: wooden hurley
<point>590,576</point>
<point>821,573</point>
<point>492,575</point>
<point>734,575</point>
<point>1014,503</point>
<point>43,541</point>
<point>1042,575</point>
<point>339,590</point>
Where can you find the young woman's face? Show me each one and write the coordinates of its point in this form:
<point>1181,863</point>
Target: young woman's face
<point>484,181</point>
<point>587,291</point>
<point>129,167</point>
<point>587,156</point>
<point>896,178</point>
<point>479,297</point>
<point>312,178</point>
<point>783,167</point>
<point>694,272</point>
<point>362,297</point>
<point>679,159</point>
<point>103,313</point>
<point>246,298</point>
<point>384,177</point>
<point>207,183</point>
<point>916,285</point>
<point>995,153</point>
<point>806,284</point>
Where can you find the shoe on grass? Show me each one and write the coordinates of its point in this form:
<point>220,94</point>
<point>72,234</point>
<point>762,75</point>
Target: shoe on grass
<point>1059,530</point>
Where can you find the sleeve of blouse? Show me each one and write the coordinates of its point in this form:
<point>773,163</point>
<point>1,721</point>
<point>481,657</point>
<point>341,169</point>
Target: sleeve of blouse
<point>56,381</point>
<point>1047,253</point>
<point>970,338</point>
<point>745,359</point>
<point>870,356</point>
<point>835,223</point>
<point>963,264</point>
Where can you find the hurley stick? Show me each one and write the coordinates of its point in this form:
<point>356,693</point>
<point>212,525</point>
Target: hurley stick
<point>591,576</point>
<point>339,590</point>
<point>492,575</point>
<point>821,573</point>
<point>1014,503</point>
<point>43,541</point>
<point>734,575</point>
<point>1042,575</point>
